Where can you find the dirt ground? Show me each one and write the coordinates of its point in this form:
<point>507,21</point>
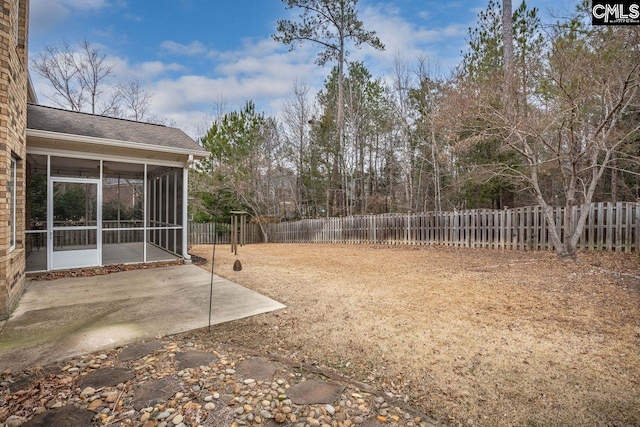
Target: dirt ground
<point>470,337</point>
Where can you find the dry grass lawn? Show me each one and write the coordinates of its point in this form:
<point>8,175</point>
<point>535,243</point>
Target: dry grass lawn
<point>467,336</point>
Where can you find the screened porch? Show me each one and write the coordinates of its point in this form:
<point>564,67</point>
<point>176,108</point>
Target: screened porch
<point>84,212</point>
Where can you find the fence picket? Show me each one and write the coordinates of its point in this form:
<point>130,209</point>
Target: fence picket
<point>618,242</point>
<point>637,227</point>
<point>627,229</point>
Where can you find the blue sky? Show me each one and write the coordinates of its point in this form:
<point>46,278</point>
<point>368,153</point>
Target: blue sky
<point>191,54</point>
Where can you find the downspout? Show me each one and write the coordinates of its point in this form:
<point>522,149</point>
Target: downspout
<point>185,206</point>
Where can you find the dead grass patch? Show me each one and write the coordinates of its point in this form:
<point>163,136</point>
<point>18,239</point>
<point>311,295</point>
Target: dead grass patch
<point>495,338</point>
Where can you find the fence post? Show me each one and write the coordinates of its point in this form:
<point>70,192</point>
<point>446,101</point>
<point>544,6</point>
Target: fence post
<point>618,242</point>
<point>627,231</point>
<point>637,226</point>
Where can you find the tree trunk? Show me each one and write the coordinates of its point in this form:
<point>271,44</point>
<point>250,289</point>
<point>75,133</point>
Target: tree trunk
<point>507,42</point>
<point>265,233</point>
<point>436,173</point>
<point>339,123</point>
<point>614,178</point>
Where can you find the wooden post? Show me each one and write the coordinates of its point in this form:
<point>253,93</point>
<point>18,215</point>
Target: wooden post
<point>618,242</point>
<point>238,230</point>
<point>600,235</point>
<point>637,226</point>
<point>628,227</point>
<point>589,228</point>
<point>610,216</point>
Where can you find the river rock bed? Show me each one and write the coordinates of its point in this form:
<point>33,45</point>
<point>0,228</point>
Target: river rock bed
<point>172,383</point>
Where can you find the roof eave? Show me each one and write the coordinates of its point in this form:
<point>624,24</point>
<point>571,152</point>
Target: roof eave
<point>35,133</point>
<point>31,91</point>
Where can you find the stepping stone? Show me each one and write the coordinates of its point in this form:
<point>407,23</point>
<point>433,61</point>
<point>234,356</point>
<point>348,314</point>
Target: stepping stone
<point>257,368</point>
<point>107,377</point>
<point>139,350</point>
<point>22,383</point>
<point>273,423</point>
<point>26,381</point>
<point>48,370</point>
<point>154,392</point>
<point>67,416</point>
<point>312,392</point>
<point>195,359</point>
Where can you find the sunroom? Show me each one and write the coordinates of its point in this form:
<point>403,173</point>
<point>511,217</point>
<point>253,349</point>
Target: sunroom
<point>103,191</point>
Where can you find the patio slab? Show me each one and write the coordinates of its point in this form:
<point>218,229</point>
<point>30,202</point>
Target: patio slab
<point>70,316</point>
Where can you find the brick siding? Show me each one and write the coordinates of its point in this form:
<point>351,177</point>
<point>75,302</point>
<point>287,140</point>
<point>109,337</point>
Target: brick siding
<point>13,123</point>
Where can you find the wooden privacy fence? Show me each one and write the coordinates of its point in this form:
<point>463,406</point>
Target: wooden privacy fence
<point>203,233</point>
<point>609,226</point>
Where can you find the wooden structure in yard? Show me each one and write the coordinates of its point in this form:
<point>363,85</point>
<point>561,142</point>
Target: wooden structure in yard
<point>238,230</point>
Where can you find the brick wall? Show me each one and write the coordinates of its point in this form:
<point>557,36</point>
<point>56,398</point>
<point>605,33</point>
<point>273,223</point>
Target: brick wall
<point>13,121</point>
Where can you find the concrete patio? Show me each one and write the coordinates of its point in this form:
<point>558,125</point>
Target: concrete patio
<point>65,317</point>
<point>114,253</point>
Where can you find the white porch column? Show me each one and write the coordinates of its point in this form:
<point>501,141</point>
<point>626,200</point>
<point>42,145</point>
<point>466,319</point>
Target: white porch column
<point>185,205</point>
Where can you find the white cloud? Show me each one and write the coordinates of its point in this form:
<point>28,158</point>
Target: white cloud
<point>400,34</point>
<point>283,65</point>
<point>145,71</point>
<point>153,69</point>
<point>132,17</point>
<point>82,4</point>
<point>261,70</point>
<point>46,14</point>
<point>192,49</point>
<point>187,98</point>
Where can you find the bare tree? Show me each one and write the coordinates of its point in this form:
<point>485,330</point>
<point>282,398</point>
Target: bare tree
<point>78,75</point>
<point>296,118</point>
<point>584,111</point>
<point>82,80</point>
<point>57,65</point>
<point>135,99</point>
<point>93,73</point>
<point>401,84</point>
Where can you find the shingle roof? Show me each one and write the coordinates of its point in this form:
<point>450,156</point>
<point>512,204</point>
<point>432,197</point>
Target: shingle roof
<point>51,119</point>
